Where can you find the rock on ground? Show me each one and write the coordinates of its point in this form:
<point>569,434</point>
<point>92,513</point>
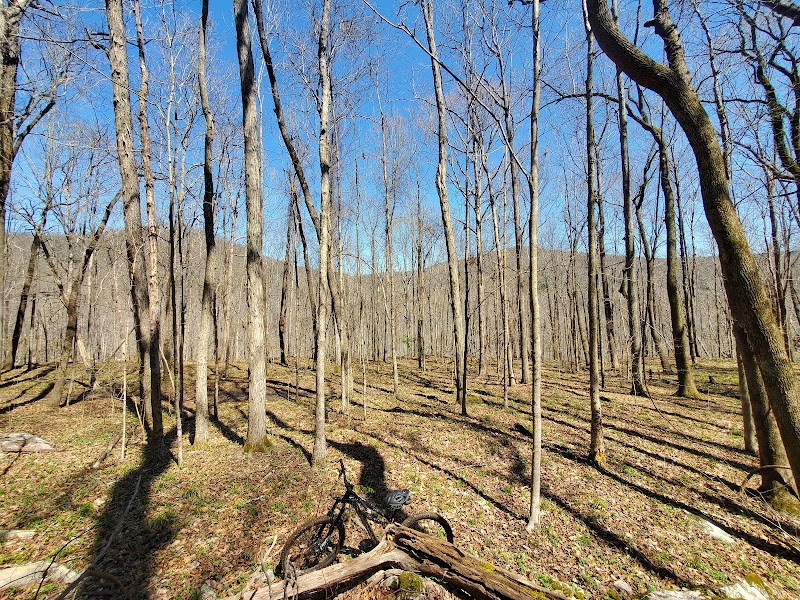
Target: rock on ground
<point>676,595</point>
<point>23,442</point>
<point>16,534</point>
<point>22,575</point>
<point>744,590</point>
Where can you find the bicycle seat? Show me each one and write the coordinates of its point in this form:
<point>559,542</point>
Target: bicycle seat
<point>397,499</point>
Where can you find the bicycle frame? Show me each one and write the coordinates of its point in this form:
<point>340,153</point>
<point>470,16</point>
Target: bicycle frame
<point>363,508</point>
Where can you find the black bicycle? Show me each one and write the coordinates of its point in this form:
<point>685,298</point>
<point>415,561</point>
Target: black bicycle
<point>317,542</point>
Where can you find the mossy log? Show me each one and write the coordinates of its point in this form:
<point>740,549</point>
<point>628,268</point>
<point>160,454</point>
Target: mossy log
<point>410,550</point>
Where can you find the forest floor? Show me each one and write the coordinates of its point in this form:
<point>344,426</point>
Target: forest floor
<point>673,464</point>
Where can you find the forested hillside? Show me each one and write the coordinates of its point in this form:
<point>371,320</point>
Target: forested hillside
<point>533,261</point>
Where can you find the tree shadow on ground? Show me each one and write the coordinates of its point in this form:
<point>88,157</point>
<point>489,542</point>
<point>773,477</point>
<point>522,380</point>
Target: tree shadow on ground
<point>279,387</point>
<point>128,542</point>
<point>41,395</point>
<point>775,549</point>
<point>608,536</point>
<point>190,421</point>
<point>284,425</point>
<point>373,467</point>
<point>654,408</point>
<point>25,375</point>
<point>373,470</point>
<point>659,441</point>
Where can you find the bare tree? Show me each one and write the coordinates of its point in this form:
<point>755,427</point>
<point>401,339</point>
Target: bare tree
<point>257,391</point>
<point>323,108</point>
<point>33,258</point>
<point>282,341</point>
<point>16,125</point>
<point>597,445</point>
<point>390,204</point>
<point>70,292</point>
<point>745,290</point>
<point>459,338</point>
<point>131,202</point>
<point>630,286</point>
<point>153,284</point>
<point>210,272</point>
<point>680,338</point>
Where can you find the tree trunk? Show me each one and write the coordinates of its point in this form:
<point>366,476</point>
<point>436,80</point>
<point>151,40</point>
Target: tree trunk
<point>608,307</point>
<point>33,257</point>
<point>388,294</point>
<point>415,552</point>
<point>481,314</point>
<point>522,323</point>
<point>748,426</point>
<point>67,347</point>
<point>770,447</point>
<point>286,278</point>
<point>534,515</point>
<point>257,390</point>
<point>420,286</point>
<point>309,275</point>
<point>331,285</point>
<point>9,63</point>
<point>597,444</point>
<point>153,290</point>
<point>71,297</point>
<point>686,273</point>
<point>210,271</point>
<point>441,188</point>
<point>320,445</point>
<point>777,263</point>
<point>500,257</point>
<point>134,241</point>
<point>680,339</point>
<point>630,282</point>
<point>649,260</point>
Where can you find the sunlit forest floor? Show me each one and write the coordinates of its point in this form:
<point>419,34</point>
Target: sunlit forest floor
<point>222,515</point>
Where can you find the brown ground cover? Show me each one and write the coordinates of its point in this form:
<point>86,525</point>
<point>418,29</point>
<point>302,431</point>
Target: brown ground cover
<point>672,462</point>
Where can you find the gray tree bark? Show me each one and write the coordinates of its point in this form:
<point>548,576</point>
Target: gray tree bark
<point>153,285</point>
<point>210,275</point>
<point>320,445</point>
<point>257,388</point>
<point>597,443</point>
<point>131,201</point>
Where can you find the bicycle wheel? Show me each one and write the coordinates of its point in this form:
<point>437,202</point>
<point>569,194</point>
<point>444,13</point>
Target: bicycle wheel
<point>313,545</point>
<point>430,523</point>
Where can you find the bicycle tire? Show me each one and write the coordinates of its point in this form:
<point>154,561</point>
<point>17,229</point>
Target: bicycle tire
<point>430,523</point>
<point>300,553</point>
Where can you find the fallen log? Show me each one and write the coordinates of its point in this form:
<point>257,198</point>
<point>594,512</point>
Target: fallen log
<point>410,550</point>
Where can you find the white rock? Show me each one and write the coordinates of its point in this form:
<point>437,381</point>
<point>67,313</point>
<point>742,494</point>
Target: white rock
<point>23,442</point>
<point>16,534</point>
<point>743,590</point>
<point>623,587</point>
<point>22,575</point>
<point>715,532</point>
<point>675,595</point>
